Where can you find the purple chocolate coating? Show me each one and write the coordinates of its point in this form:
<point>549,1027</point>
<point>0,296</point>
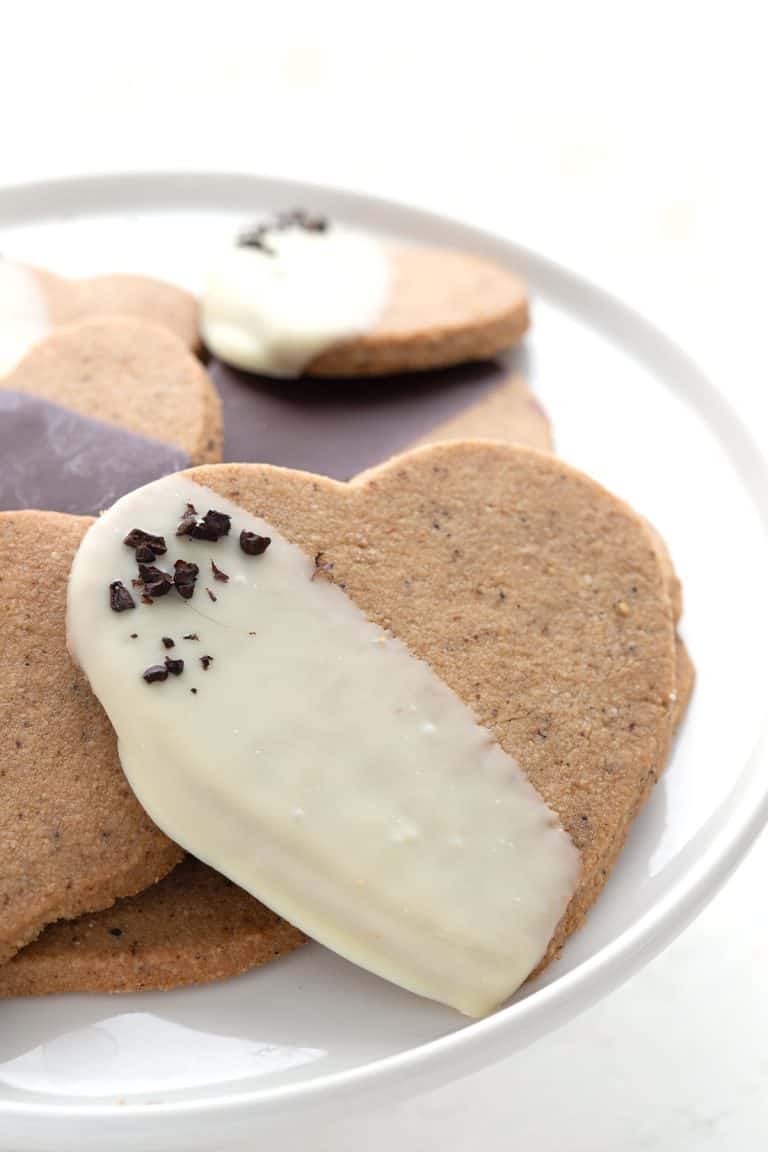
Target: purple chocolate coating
<point>55,459</point>
<point>340,427</point>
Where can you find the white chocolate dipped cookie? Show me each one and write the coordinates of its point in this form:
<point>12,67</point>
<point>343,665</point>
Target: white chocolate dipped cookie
<point>405,584</point>
<point>301,295</point>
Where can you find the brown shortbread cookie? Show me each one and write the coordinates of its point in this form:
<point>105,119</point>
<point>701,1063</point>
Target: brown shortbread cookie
<point>130,373</point>
<point>535,594</point>
<point>72,836</point>
<point>193,927</point>
<point>445,308</point>
<point>509,412</point>
<point>141,297</point>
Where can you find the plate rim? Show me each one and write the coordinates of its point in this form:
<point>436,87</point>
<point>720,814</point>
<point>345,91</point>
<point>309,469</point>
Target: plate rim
<point>483,1042</point>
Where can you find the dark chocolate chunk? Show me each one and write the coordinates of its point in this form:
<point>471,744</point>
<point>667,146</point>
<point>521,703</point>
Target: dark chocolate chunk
<point>115,931</point>
<point>168,642</point>
<point>134,635</point>
<point>156,582</point>
<point>144,554</point>
<point>323,567</point>
<point>120,599</point>
<point>188,521</point>
<point>155,673</point>
<point>206,662</point>
<point>298,218</point>
<point>253,544</point>
<point>175,667</point>
<point>193,691</point>
<point>137,538</point>
<point>256,237</point>
<point>212,527</point>
<point>191,636</point>
<point>212,595</point>
<point>184,577</point>
<point>218,574</point>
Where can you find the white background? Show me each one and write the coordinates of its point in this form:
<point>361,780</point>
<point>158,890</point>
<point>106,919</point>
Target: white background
<point>627,140</point>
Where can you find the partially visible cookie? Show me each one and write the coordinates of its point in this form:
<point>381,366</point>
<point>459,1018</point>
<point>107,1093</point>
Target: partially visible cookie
<point>508,412</point>
<point>191,928</point>
<point>142,297</point>
<point>129,373</point>
<point>300,295</point>
<point>72,836</point>
<point>445,307</point>
<point>58,460</point>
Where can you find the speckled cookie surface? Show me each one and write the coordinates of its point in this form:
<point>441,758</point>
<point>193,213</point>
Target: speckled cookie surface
<point>129,373</point>
<point>445,308</point>
<point>191,928</point>
<point>72,836</point>
<point>535,594</point>
<point>142,297</point>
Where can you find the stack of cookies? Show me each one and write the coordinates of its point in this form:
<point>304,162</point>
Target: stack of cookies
<point>384,433</point>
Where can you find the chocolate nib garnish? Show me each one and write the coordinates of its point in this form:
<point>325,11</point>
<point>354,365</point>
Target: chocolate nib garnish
<point>206,662</point>
<point>212,595</point>
<point>120,599</point>
<point>253,544</point>
<point>184,577</point>
<point>188,521</point>
<point>175,667</point>
<point>218,574</point>
<point>258,235</point>
<point>323,567</point>
<point>156,582</point>
<point>191,636</point>
<point>155,673</point>
<point>168,642</point>
<point>211,527</point>
<point>137,538</point>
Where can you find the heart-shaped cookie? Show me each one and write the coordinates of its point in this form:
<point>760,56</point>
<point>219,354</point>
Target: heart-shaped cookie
<point>535,595</point>
<point>128,373</point>
<point>72,836</point>
<point>145,298</point>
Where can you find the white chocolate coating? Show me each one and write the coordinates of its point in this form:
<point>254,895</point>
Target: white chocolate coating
<point>320,765</point>
<point>273,313</point>
<point>23,313</point>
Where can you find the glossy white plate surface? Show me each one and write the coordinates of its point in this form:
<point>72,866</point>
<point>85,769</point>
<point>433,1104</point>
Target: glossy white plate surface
<point>216,1066</point>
